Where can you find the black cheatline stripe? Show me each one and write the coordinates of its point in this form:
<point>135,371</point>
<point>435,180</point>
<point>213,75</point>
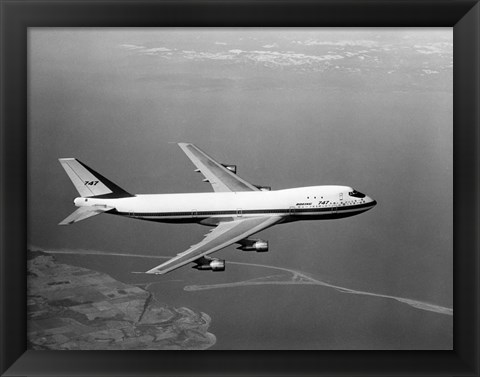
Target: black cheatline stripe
<point>117,192</point>
<point>254,212</point>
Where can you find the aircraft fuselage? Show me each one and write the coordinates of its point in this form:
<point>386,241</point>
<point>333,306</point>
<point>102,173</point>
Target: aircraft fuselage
<point>303,203</point>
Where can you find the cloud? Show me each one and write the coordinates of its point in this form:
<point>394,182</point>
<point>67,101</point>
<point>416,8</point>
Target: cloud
<point>290,58</point>
<point>364,51</point>
<point>144,50</point>
<point>266,58</point>
<point>434,48</point>
<point>128,46</point>
<point>154,51</point>
<point>344,43</point>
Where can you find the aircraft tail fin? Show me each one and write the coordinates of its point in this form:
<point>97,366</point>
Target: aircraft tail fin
<point>84,213</point>
<point>89,183</point>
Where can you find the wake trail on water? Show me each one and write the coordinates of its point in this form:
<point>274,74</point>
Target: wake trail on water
<point>294,278</point>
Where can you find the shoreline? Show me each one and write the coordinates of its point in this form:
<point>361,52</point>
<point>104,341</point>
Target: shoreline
<point>74,308</point>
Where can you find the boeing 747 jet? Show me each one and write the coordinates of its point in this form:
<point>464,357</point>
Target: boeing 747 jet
<point>236,209</point>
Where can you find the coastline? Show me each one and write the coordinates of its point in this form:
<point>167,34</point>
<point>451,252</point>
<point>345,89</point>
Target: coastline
<point>74,308</point>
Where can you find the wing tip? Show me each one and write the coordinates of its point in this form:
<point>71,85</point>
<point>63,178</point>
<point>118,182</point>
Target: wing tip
<point>155,272</point>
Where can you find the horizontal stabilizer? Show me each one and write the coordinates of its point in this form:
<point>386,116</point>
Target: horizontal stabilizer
<point>84,213</point>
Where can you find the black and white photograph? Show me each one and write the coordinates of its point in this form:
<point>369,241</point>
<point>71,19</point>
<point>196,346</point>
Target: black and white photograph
<point>240,188</point>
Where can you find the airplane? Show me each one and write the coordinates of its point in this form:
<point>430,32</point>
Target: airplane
<point>236,209</point>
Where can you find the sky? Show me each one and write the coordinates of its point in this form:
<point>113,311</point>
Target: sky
<point>367,108</point>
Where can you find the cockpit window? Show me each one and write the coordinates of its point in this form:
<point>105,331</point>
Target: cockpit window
<point>356,194</point>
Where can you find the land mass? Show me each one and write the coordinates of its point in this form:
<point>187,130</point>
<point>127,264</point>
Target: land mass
<point>73,308</point>
<point>296,277</point>
<point>287,277</point>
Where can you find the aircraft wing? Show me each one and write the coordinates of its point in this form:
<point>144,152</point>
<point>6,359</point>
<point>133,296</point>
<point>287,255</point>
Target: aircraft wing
<point>225,234</point>
<point>219,177</point>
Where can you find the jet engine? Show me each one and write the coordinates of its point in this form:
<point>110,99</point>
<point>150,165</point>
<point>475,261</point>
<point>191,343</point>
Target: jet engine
<point>212,264</point>
<point>260,246</point>
<point>232,168</point>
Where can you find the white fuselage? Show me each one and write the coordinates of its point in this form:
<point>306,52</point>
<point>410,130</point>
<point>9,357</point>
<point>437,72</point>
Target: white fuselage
<point>303,203</point>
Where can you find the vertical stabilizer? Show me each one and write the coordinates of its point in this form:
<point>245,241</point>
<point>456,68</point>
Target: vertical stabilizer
<point>89,183</point>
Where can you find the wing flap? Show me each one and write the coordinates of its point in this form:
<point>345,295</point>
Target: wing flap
<point>215,173</point>
<point>223,235</point>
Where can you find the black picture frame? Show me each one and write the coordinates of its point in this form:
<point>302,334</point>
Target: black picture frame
<point>17,16</point>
